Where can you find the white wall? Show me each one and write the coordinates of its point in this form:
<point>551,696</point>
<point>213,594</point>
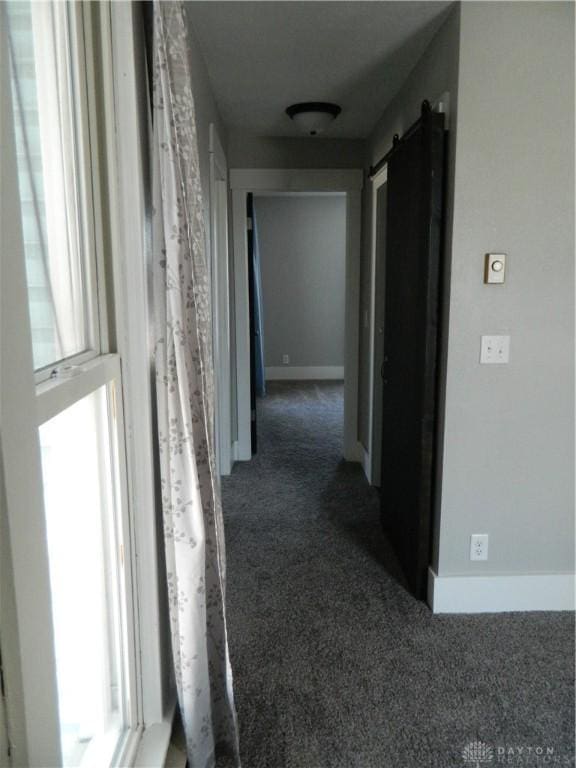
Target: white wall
<point>303,253</point>
<point>509,431</point>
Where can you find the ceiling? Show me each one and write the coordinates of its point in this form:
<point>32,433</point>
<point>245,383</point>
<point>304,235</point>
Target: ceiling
<point>263,56</point>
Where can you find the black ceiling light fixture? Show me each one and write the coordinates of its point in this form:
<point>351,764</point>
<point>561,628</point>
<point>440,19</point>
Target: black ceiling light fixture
<point>313,117</point>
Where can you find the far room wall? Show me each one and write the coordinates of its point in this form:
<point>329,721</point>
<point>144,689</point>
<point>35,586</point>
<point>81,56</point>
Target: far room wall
<point>302,241</point>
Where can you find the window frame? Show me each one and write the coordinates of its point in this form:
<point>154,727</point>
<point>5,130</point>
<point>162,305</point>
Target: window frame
<point>37,737</point>
<point>127,131</point>
<point>97,366</point>
<point>81,76</point>
<point>53,397</point>
<point>29,399</point>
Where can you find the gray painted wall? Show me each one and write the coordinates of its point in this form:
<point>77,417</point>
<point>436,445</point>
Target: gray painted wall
<point>435,73</point>
<point>206,113</point>
<point>509,431</point>
<point>508,440</point>
<point>303,253</point>
<point>245,151</point>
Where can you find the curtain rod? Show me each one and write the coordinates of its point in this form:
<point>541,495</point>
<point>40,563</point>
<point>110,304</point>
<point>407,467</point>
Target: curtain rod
<point>396,141</point>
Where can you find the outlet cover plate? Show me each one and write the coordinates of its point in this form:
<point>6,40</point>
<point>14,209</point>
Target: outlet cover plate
<point>495,350</point>
<point>479,546</point>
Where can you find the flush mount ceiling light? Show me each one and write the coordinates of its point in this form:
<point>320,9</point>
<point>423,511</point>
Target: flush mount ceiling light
<point>313,117</point>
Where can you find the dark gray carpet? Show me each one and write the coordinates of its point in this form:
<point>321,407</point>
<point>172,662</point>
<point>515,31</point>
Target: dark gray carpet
<point>335,664</point>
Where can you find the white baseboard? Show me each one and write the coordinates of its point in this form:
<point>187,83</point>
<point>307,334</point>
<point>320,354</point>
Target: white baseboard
<point>305,373</point>
<point>494,594</point>
<point>354,452</point>
<point>241,452</point>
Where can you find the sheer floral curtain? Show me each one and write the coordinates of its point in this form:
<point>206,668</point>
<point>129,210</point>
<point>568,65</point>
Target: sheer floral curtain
<point>193,528</point>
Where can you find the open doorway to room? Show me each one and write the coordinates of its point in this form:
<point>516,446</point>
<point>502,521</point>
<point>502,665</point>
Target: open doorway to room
<point>297,273</point>
<point>315,356</point>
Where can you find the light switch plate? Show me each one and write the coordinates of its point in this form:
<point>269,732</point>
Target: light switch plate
<point>495,350</point>
<point>495,268</point>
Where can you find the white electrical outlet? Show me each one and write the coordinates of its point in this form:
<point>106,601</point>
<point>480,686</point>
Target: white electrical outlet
<point>285,359</point>
<point>495,349</point>
<point>479,546</point>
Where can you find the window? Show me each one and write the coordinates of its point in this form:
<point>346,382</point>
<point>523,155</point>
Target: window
<point>49,108</point>
<point>77,401</point>
<point>80,469</point>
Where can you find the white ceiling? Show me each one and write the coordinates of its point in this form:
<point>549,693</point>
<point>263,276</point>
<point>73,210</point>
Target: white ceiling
<point>263,56</point>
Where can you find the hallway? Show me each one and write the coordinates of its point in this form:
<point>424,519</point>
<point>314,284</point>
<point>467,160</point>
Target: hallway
<point>335,664</point>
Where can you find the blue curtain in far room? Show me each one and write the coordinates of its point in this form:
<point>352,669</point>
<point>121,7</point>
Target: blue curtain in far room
<point>258,310</point>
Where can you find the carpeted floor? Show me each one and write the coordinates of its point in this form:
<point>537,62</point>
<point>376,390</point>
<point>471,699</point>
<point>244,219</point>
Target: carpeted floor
<point>335,664</point>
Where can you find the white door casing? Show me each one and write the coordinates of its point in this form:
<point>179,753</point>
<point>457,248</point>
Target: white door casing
<point>243,181</point>
<point>376,338</point>
<point>220,284</point>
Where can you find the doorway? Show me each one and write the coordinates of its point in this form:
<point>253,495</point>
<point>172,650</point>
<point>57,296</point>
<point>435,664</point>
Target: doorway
<point>297,264</point>
<point>260,181</point>
<point>378,282</point>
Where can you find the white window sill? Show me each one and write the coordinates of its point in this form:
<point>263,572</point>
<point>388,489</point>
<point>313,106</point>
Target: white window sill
<point>154,743</point>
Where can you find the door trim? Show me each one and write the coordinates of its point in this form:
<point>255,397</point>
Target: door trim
<point>243,181</point>
<point>220,286</point>
<point>371,469</point>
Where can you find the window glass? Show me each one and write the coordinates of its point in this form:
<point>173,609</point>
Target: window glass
<point>81,507</point>
<point>45,89</point>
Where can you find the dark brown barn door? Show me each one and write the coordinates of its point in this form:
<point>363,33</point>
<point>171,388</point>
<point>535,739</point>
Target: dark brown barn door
<point>409,370</point>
